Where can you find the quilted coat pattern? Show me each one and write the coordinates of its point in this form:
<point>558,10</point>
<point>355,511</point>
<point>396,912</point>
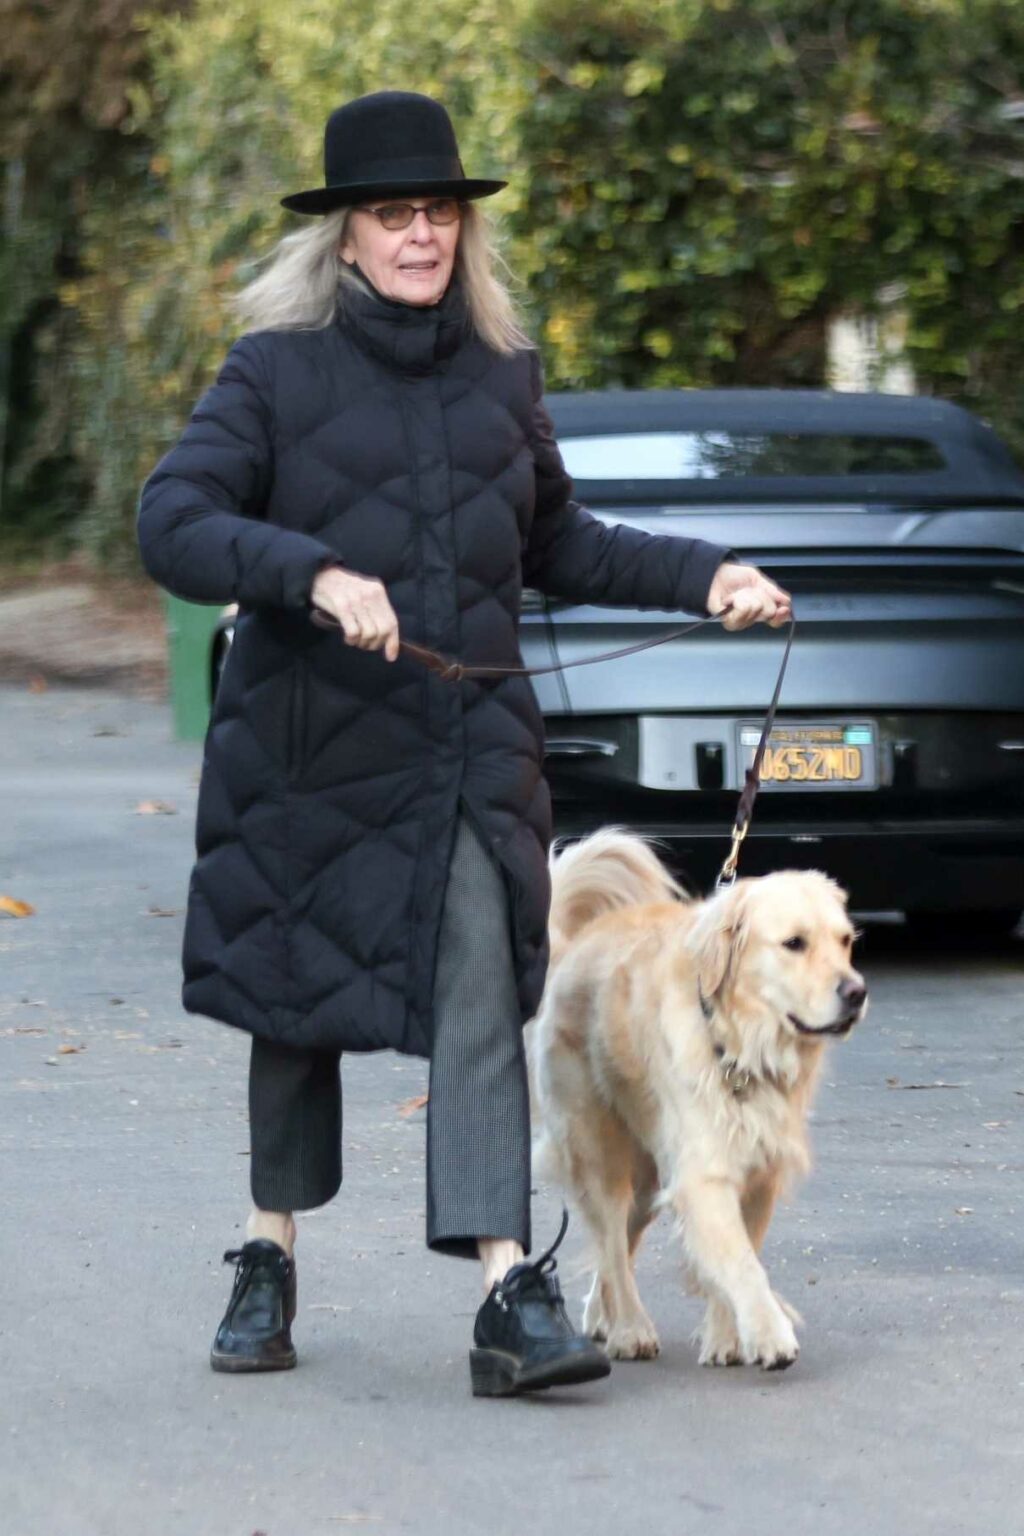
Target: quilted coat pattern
<point>395,442</point>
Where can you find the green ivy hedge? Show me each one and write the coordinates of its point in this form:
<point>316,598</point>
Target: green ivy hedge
<point>698,188</point>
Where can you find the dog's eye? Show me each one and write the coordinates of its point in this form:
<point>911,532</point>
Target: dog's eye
<point>797,943</point>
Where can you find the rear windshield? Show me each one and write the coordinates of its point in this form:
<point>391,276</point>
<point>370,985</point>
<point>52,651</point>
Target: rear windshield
<point>728,455</point>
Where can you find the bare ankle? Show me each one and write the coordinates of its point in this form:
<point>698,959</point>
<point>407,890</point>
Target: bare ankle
<point>498,1254</point>
<point>277,1226</point>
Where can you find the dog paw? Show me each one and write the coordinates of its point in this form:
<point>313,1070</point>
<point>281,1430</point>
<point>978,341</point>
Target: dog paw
<point>771,1341</point>
<point>781,1360</point>
<point>717,1337</point>
<point>633,1341</point>
<point>720,1354</point>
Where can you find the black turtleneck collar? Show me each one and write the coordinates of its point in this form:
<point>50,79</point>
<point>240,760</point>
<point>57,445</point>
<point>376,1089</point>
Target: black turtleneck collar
<point>410,338</point>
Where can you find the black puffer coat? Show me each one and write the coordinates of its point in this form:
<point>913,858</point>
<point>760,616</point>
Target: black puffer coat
<point>396,443</point>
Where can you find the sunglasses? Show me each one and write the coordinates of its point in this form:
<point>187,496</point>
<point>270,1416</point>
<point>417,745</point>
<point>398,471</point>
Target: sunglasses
<point>443,210</point>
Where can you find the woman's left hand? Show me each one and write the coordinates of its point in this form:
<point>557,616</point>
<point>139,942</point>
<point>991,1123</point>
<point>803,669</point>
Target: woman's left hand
<point>751,597</point>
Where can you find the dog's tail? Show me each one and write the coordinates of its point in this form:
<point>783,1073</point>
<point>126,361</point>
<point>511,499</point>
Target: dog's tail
<point>606,871</point>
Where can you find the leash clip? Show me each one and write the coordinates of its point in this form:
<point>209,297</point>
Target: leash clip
<point>727,874</point>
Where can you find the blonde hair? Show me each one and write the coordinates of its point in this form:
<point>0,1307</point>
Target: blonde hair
<point>303,287</point>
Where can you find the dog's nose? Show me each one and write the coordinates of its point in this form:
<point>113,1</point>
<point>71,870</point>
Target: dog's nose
<point>852,993</point>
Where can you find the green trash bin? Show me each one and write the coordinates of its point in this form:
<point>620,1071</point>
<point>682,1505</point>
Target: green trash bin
<point>190,628</point>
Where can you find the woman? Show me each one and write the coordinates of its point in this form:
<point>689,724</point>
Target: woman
<point>372,839</point>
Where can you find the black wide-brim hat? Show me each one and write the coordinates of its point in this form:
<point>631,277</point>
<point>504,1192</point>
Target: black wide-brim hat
<point>388,143</point>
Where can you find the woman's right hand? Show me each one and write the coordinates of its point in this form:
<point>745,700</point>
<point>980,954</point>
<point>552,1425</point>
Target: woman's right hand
<point>361,606</point>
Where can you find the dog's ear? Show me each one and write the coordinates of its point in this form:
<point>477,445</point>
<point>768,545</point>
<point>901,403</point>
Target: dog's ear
<point>717,937</point>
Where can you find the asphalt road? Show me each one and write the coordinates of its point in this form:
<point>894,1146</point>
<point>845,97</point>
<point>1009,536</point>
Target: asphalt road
<point>124,1147</point>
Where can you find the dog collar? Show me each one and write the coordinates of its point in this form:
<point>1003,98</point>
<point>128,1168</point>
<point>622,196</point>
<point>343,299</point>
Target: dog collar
<point>736,1078</point>
<point>739,1080</point>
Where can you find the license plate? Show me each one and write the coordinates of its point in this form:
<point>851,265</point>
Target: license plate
<point>814,754</point>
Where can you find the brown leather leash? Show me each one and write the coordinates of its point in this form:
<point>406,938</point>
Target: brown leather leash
<point>453,671</point>
<point>752,779</point>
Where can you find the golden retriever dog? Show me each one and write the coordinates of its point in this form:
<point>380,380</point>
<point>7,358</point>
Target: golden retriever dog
<point>673,1060</point>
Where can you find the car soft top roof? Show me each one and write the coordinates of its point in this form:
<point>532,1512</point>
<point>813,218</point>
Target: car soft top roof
<point>979,468</point>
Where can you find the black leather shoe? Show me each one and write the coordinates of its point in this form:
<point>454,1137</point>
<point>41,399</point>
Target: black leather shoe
<point>255,1333</point>
<point>523,1337</point>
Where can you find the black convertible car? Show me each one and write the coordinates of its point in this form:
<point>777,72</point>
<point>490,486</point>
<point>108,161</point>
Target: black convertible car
<point>897,759</point>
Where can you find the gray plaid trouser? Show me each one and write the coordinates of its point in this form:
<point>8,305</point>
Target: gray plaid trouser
<point>478,1114</point>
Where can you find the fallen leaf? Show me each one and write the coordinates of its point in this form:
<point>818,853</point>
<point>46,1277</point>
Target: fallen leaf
<point>156,808</point>
<point>29,1029</point>
<point>107,730</point>
<point>69,1050</point>
<point>964,1210</point>
<point>993,1125</point>
<point>14,908</point>
<point>412,1105</point>
<point>162,911</point>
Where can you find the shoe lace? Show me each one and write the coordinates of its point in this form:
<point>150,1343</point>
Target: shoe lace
<point>246,1263</point>
<point>537,1275</point>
